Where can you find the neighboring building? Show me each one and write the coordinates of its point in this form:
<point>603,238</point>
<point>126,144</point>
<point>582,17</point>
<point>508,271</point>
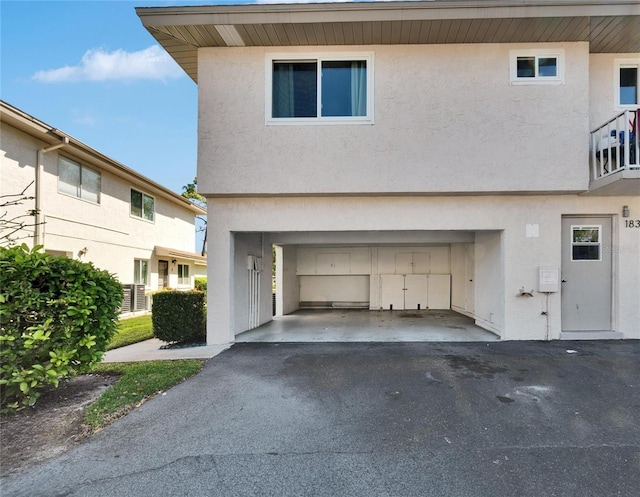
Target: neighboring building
<point>429,154</point>
<point>94,209</point>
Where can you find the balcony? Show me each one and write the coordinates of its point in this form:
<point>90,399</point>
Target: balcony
<point>615,156</point>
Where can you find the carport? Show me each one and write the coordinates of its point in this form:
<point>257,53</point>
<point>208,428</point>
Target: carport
<point>357,325</point>
<point>358,286</point>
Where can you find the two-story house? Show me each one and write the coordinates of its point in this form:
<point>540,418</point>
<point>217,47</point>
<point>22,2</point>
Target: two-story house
<point>477,156</point>
<point>92,208</point>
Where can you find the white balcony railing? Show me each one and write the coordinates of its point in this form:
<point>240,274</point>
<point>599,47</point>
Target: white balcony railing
<point>614,145</point>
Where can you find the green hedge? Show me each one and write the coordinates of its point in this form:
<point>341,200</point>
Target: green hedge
<point>179,317</point>
<point>201,284</point>
<point>57,316</point>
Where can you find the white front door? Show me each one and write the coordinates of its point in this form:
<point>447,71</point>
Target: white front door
<point>586,274</point>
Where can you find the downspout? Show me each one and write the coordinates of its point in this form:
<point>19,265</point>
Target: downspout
<point>38,235</point>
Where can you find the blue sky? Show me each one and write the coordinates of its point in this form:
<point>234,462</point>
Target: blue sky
<point>90,69</point>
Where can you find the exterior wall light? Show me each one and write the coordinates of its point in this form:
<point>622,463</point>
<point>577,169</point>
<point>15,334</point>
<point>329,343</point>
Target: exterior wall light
<point>625,211</point>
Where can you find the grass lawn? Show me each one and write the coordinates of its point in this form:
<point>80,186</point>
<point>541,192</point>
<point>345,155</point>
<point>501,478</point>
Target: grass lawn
<point>138,381</point>
<point>132,330</point>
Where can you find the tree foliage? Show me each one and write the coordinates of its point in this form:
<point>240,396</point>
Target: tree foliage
<point>57,316</point>
<point>190,191</point>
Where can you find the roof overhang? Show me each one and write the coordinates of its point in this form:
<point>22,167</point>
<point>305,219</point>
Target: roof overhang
<point>49,135</point>
<point>199,260</point>
<point>611,26</point>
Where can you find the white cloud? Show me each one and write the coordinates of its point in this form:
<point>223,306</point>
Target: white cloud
<point>99,65</point>
<point>83,118</point>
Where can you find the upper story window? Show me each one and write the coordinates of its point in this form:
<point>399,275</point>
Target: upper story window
<point>626,83</point>
<point>142,205</point>
<point>534,67</point>
<point>78,181</point>
<point>333,88</point>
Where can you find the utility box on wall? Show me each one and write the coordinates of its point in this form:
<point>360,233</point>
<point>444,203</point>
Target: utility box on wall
<point>548,279</point>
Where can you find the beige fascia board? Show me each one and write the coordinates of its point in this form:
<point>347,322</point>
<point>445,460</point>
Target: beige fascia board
<point>380,11</point>
<point>75,148</point>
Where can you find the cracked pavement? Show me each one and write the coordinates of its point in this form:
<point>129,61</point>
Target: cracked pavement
<point>383,419</point>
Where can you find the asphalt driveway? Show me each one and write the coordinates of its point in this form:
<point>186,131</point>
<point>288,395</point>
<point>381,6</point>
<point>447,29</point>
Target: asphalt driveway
<point>340,419</point>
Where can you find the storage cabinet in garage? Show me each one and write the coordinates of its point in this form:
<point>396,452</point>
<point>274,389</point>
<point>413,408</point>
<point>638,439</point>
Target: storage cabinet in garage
<point>415,291</point>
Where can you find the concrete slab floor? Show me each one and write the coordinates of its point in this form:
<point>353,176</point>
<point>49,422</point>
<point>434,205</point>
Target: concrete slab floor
<point>369,326</point>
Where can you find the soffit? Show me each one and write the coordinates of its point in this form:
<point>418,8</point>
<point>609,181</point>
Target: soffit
<point>609,27</point>
<point>180,254</point>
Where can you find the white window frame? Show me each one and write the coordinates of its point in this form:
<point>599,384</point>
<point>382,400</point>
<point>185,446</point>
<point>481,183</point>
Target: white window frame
<point>598,243</point>
<point>181,279</point>
<point>617,65</point>
<point>558,79</point>
<point>82,168</point>
<point>137,267</point>
<point>270,58</point>
<point>141,216</point>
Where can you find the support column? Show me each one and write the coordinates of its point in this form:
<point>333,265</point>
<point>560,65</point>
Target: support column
<point>220,275</point>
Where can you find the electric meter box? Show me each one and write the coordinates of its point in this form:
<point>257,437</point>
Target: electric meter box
<point>548,279</point>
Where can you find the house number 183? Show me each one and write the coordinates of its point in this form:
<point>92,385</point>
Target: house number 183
<point>632,223</point>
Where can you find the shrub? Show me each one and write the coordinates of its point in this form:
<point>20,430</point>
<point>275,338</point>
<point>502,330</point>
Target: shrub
<point>201,284</point>
<point>57,316</point>
<point>178,316</point>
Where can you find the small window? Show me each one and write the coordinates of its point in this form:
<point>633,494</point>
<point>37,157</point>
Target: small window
<point>78,181</point>
<point>531,67</point>
<point>142,205</point>
<point>626,83</point>
<point>585,243</point>
<point>320,89</point>
<point>141,272</point>
<point>183,275</point>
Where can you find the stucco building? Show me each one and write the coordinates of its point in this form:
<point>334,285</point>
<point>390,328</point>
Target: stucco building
<point>92,208</point>
<point>478,156</point>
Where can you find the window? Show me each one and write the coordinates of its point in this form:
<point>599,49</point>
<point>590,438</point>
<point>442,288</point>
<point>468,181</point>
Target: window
<point>585,243</point>
<point>142,205</point>
<point>183,275</point>
<point>78,181</point>
<point>335,88</point>
<point>531,67</point>
<point>626,83</point>
<point>141,272</point>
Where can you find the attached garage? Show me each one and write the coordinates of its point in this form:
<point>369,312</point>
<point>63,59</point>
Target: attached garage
<point>386,271</point>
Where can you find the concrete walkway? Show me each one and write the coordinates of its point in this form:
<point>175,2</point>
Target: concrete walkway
<point>150,350</point>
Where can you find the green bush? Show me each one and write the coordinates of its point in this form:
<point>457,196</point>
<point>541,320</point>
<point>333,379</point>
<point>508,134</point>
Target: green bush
<point>201,284</point>
<point>178,316</point>
<point>57,316</point>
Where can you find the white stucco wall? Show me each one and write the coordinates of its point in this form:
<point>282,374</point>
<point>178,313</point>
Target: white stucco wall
<point>287,280</point>
<point>17,162</point>
<point>113,238</point>
<point>506,259</point>
<point>602,87</point>
<point>446,120</point>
